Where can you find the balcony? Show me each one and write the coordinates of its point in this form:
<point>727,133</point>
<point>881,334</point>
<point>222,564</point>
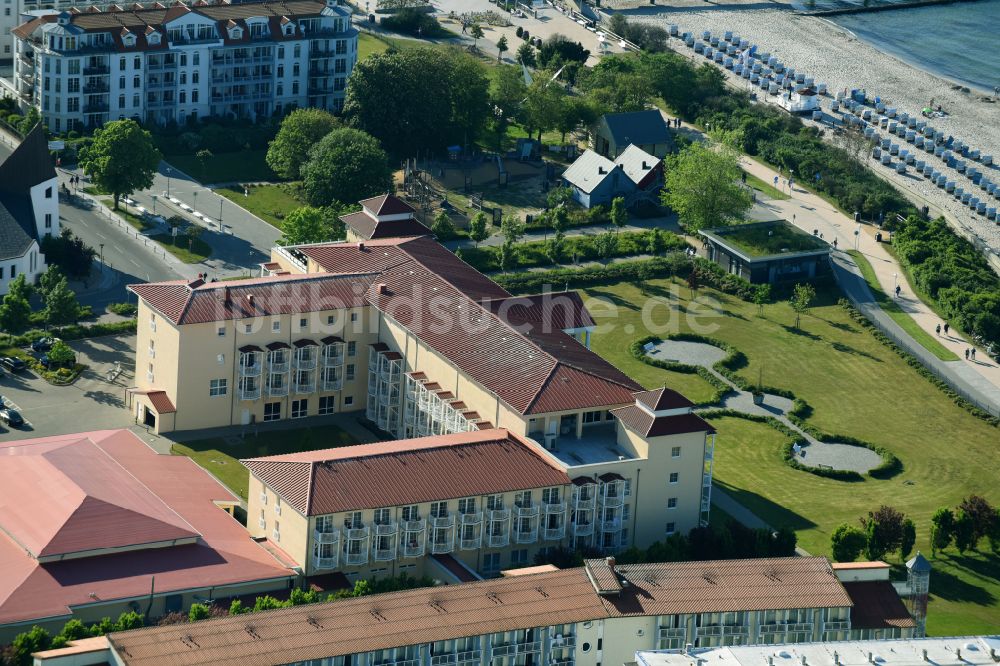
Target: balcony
<point>554,533</point>
<point>277,362</point>
<point>332,384</point>
<point>326,537</point>
<point>514,649</point>
<point>356,558</point>
<point>305,384</point>
<point>96,70</point>
<point>305,358</point>
<point>554,508</point>
<point>333,355</point>
<point>836,625</point>
<point>562,642</point>
<point>583,529</point>
<point>277,388</point>
<point>469,656</point>
<point>613,501</point>
<point>613,525</point>
<point>672,632</point>
<point>384,543</point>
<point>249,391</point>
<point>95,108</point>
<point>325,562</point>
<point>95,88</point>
<point>250,364</point>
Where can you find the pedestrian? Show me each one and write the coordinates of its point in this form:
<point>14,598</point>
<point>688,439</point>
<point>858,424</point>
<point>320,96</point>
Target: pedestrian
<point>973,352</point>
<point>937,329</point>
<point>897,291</point>
<point>946,326</point>
<point>834,243</point>
<point>966,353</point>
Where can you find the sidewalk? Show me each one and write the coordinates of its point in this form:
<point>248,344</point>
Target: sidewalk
<point>980,380</point>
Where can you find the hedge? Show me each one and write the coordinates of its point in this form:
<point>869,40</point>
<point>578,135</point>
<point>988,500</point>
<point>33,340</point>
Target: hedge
<point>71,332</point>
<point>734,360</point>
<point>915,363</point>
<point>638,353</point>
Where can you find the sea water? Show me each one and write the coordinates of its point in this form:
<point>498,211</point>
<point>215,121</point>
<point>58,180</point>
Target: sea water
<point>956,41</point>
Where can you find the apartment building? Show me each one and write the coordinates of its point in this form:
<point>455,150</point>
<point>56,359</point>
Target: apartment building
<point>601,613</point>
<point>95,524</point>
<point>164,64</point>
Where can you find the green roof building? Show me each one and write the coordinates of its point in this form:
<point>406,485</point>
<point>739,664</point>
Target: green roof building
<point>768,252</point>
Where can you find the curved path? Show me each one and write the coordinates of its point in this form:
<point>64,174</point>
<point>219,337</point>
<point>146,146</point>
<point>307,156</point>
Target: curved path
<point>816,454</point>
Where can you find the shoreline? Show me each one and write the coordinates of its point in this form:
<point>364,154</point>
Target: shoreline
<point>837,11</point>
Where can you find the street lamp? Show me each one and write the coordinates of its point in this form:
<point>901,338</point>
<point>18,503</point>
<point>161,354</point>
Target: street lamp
<point>154,204</point>
<point>102,257</point>
<point>895,284</point>
<point>168,181</point>
<point>195,207</point>
<point>221,199</point>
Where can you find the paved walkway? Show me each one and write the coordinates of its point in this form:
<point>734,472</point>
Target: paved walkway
<point>816,454</point>
<point>979,381</point>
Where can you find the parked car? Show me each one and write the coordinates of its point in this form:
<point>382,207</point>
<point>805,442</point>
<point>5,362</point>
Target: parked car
<point>13,364</point>
<point>41,357</point>
<point>11,417</point>
<point>43,344</point>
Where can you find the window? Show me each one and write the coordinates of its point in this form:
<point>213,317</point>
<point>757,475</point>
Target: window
<point>48,220</point>
<point>331,319</point>
<point>194,76</point>
<point>295,87</point>
<point>439,509</point>
<point>194,96</point>
<point>467,505</point>
<point>626,511</point>
<point>272,411</point>
<point>277,505</point>
<point>494,502</point>
<point>675,452</point>
<point>277,531</point>
<point>354,316</point>
<point>519,558</point>
<point>671,528</point>
<point>327,405</point>
<point>348,401</point>
<point>121,101</point>
<point>262,521</point>
<point>349,374</point>
<point>352,520</point>
<point>246,328</point>
<point>48,192</point>
<point>281,51</point>
<point>152,322</point>
<point>121,64</point>
<point>628,487</point>
<point>136,82</point>
<point>183,97</point>
<point>300,408</point>
<point>550,496</point>
<point>217,387</point>
<point>411,512</point>
<point>276,326</point>
<point>491,562</point>
<point>137,63</point>
<point>281,71</point>
<point>352,348</point>
<point>673,477</point>
<point>303,322</point>
<point>221,331</point>
<point>381,517</point>
<point>295,69</point>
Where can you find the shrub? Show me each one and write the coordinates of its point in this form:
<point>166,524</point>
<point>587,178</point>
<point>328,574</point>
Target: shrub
<point>847,542</point>
<point>123,309</point>
<point>413,21</point>
<point>519,32</point>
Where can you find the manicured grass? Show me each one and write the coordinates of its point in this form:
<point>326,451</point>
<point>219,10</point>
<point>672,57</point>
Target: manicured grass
<point>857,387</point>
<point>133,220</point>
<point>905,321</point>
<point>369,44</point>
<point>270,203</point>
<point>188,252</point>
<point>768,239</point>
<point>767,189</point>
<point>221,456</point>
<point>241,166</point>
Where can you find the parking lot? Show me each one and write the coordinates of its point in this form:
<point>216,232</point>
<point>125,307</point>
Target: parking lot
<point>92,402</point>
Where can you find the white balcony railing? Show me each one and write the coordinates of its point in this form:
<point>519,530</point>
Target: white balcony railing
<point>277,388</point>
<point>356,558</point>
<point>613,525</point>
<point>612,501</point>
<point>305,358</point>
<point>250,369</point>
<point>554,533</point>
<point>583,529</point>
<point>324,562</point>
<point>326,537</point>
<point>250,392</point>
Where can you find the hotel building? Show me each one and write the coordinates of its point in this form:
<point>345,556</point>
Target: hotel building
<point>601,613</point>
<point>174,63</point>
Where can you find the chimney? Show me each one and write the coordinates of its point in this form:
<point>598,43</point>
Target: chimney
<point>361,246</point>
<point>382,289</point>
<point>688,647</point>
<point>600,170</point>
<point>250,300</point>
<point>770,660</point>
<point>610,562</point>
<point>644,165</point>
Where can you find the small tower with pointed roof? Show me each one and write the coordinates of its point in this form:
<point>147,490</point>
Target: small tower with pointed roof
<point>918,580</point>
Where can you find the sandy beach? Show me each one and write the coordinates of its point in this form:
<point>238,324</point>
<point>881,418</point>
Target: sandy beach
<point>836,57</point>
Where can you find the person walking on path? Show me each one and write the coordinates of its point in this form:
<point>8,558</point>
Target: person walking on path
<point>966,353</point>
<point>946,327</point>
<point>897,290</point>
<point>937,329</point>
<point>973,352</point>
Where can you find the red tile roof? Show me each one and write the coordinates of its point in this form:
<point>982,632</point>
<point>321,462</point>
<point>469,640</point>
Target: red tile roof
<point>367,227</point>
<point>199,302</point>
<point>662,399</point>
<point>642,422</point>
<point>161,402</point>
<point>555,311</point>
<point>412,471</point>
<point>877,606</point>
<point>123,493</point>
<point>386,204</point>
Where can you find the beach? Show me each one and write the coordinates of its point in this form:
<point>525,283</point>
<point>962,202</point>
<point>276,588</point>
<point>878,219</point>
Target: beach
<point>833,55</point>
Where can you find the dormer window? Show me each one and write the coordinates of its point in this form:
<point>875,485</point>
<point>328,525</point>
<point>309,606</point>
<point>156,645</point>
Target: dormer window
<point>153,38</point>
<point>236,33</point>
<point>289,29</point>
<point>129,40</point>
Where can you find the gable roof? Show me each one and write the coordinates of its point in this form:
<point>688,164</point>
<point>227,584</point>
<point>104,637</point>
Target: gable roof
<point>663,398</point>
<point>588,171</point>
<point>413,471</point>
<point>368,227</point>
<point>645,424</point>
<point>641,127</point>
<point>386,204</point>
<point>197,302</point>
<point>877,606</point>
<point>29,165</point>
<point>637,163</point>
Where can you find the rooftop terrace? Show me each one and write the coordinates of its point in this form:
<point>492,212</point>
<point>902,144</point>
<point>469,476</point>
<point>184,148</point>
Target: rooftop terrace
<point>766,239</point>
<point>598,445</point>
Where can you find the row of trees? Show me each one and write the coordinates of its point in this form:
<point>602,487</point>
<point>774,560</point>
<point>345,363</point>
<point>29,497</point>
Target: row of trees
<point>883,531</point>
<point>966,525</point>
<point>60,303</point>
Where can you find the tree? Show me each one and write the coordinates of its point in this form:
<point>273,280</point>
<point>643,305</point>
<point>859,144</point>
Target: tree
<point>237,608</point>
<point>544,105</point>
<point>193,233</point>
<point>199,612</point>
<point>501,47</point>
<point>619,214</point>
<point>61,306</point>
<point>702,186</point>
<point>300,130</point>
<point>964,530</point>
<point>477,228</point>
<point>657,242</point>
<point>884,530</point>
<point>442,226</point>
<point>559,49</point>
<point>15,309</point>
<point>346,165</point>
<point>476,32</point>
<point>61,355</point>
<point>511,229</point>
<point>847,542</point>
<point>121,159</point>
<point>305,225</point>
<point>942,529</point>
<point>559,196</point>
<point>761,297</point>
<point>982,514</point>
<point>49,279</point>
<point>35,640</point>
<point>452,89</point>
<point>526,55</point>
<point>909,538</point>
<point>31,118</point>
<point>203,156</point>
<point>606,244</point>
<point>69,253</point>
<point>802,297</point>
<point>554,247</point>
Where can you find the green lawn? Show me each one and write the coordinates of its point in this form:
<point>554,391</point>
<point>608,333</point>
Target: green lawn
<point>270,203</point>
<point>769,238</point>
<point>369,44</point>
<point>221,456</point>
<point>905,321</point>
<point>241,166</point>
<point>857,387</point>
<point>188,252</point>
<point>134,220</point>
<point>767,189</point>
